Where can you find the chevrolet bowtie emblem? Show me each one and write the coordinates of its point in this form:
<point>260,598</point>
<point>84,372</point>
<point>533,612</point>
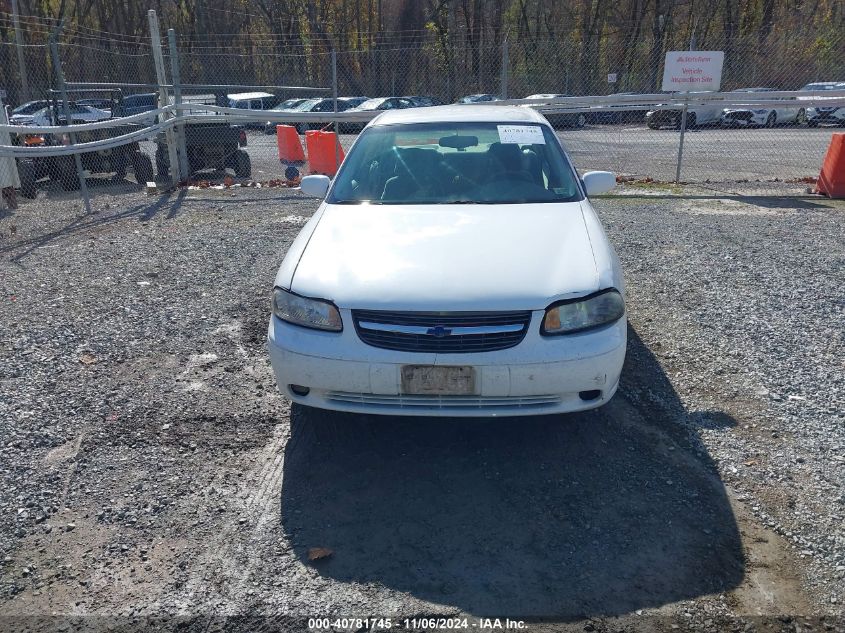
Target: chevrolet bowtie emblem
<point>439,331</point>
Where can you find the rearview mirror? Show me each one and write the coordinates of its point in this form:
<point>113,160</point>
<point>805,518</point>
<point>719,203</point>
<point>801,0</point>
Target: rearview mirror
<point>595,182</point>
<point>315,186</point>
<point>458,142</point>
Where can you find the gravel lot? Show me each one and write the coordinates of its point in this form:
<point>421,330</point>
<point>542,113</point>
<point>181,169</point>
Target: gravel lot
<point>149,468</point>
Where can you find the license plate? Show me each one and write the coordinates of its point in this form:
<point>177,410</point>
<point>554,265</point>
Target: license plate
<point>438,380</point>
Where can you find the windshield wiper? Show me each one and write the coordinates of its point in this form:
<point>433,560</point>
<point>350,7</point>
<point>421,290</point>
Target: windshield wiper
<point>355,201</point>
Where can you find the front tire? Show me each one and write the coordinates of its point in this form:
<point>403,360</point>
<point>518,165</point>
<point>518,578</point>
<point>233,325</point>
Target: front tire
<point>692,121</point>
<point>26,173</point>
<point>771,120</point>
<point>68,176</point>
<point>162,164</point>
<point>143,168</point>
<point>243,165</point>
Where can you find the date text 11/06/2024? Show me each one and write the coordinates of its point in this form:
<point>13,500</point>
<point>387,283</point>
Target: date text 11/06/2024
<point>416,624</point>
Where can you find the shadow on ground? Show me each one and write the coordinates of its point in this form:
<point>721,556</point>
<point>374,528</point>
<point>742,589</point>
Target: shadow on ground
<point>599,513</point>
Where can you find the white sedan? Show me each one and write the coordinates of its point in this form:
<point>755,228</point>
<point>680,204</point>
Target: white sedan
<point>78,114</point>
<point>455,267</point>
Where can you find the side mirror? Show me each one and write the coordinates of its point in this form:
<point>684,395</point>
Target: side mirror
<point>595,182</point>
<point>315,186</point>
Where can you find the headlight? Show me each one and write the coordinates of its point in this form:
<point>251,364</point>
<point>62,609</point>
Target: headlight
<point>584,313</point>
<point>313,313</point>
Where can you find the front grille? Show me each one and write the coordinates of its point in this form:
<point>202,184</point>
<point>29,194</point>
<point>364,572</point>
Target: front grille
<point>401,401</point>
<point>441,332</point>
<point>741,115</point>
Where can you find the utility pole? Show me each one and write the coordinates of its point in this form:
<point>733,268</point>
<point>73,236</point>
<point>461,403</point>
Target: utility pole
<point>19,46</point>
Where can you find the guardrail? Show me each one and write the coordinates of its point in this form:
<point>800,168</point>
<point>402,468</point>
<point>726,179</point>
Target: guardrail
<point>171,116</point>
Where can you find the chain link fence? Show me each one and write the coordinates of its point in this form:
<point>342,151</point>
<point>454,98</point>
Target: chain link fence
<point>235,90</point>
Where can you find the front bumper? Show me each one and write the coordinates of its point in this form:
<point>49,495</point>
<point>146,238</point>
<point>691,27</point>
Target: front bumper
<point>743,118</point>
<point>540,375</point>
<point>826,116</point>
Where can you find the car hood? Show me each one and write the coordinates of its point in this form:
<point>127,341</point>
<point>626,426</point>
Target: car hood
<point>446,257</point>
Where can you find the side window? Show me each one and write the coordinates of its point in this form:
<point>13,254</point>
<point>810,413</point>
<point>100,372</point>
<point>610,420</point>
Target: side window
<point>390,104</point>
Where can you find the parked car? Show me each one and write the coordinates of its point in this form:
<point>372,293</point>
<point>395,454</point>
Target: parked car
<point>455,267</point>
<point>318,106</point>
<point>696,115</point>
<point>479,98</point>
<point>818,114</point>
<point>56,116</point>
<point>559,119</point>
<point>377,104</point>
<point>423,101</point>
<point>355,101</point>
<point>312,105</point>
<point>136,104</point>
<point>22,114</point>
<point>615,114</point>
<point>252,100</point>
<point>767,116</point>
<point>286,106</point>
<point>101,104</point>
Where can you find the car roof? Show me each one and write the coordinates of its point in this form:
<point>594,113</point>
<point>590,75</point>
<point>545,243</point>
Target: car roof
<point>237,96</point>
<point>462,113</point>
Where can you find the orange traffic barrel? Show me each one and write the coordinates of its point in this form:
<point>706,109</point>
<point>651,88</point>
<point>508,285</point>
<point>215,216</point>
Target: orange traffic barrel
<point>325,153</point>
<point>290,149</point>
<point>832,177</point>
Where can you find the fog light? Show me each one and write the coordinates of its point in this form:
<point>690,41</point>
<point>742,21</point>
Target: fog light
<point>592,394</point>
<point>299,390</point>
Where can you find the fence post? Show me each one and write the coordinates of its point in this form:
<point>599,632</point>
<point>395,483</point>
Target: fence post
<point>60,81</point>
<point>334,98</point>
<point>19,47</point>
<point>164,99</point>
<point>175,75</point>
<point>681,141</point>
<point>505,69</point>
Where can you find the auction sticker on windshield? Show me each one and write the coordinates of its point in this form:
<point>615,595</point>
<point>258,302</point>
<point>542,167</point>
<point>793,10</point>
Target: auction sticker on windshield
<point>521,134</point>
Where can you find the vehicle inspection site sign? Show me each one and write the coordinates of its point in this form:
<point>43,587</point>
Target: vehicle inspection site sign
<point>693,71</point>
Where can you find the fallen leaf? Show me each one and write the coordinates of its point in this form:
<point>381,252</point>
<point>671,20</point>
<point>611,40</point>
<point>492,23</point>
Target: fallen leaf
<point>317,553</point>
<point>750,462</point>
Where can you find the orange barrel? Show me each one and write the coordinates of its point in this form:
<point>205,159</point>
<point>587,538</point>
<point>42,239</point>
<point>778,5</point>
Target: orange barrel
<point>290,149</point>
<point>325,153</point>
<point>832,177</point>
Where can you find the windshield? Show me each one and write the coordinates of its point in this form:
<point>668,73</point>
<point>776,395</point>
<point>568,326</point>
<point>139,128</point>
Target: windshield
<point>454,163</point>
<point>370,104</point>
<point>305,105</point>
<point>29,108</point>
<point>820,87</point>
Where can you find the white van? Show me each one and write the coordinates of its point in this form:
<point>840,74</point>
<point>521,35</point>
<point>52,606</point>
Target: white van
<point>252,100</point>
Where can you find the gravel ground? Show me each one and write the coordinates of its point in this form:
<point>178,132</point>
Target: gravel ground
<point>148,467</point>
